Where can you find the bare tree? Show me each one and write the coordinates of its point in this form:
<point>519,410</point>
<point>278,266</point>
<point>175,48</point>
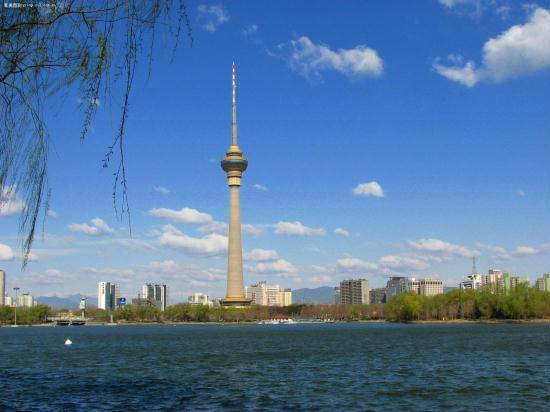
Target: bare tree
<point>52,46</point>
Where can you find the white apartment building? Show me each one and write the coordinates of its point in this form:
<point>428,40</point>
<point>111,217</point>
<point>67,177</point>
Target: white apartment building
<point>199,299</point>
<point>268,295</point>
<point>473,282</point>
<point>107,295</point>
<point>424,287</point>
<point>430,287</point>
<point>26,300</point>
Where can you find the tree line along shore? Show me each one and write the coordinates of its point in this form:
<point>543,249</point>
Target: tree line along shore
<point>520,303</point>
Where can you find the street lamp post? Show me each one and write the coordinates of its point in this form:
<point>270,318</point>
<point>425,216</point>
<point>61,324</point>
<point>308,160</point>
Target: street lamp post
<point>15,307</point>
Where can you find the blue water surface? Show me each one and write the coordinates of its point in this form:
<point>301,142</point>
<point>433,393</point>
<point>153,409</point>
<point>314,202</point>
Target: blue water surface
<point>305,367</point>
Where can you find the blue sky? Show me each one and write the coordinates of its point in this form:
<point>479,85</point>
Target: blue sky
<point>383,138</point>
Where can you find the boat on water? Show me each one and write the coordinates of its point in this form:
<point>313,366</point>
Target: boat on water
<point>288,321</point>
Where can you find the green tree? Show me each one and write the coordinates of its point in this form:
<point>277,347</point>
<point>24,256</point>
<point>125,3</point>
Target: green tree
<point>406,307</point>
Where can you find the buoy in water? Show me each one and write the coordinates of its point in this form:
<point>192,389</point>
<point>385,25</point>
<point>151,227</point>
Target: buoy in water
<point>68,342</point>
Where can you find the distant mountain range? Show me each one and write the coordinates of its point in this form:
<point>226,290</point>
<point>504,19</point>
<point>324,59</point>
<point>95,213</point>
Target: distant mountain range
<point>321,295</point>
<point>68,302</point>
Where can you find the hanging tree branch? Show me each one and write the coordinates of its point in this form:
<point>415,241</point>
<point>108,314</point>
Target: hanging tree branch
<point>73,44</point>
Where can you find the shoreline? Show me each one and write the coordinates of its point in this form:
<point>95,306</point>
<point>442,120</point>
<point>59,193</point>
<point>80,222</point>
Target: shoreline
<point>374,321</point>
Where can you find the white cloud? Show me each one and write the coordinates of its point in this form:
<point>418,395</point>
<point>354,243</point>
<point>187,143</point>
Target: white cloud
<point>250,30</point>
<point>260,187</point>
<point>341,232</point>
<point>212,244</point>
<point>6,252</point>
<point>261,255</point>
<point>252,230</point>
<point>10,203</point>
<point>322,279</point>
<point>369,189</point>
<point>52,213</point>
<point>355,265</point>
<point>297,228</point>
<point>277,266</point>
<point>526,251</point>
<point>220,228</point>
<point>453,3</point>
<point>520,193</point>
<point>97,228</point>
<point>440,246</point>
<point>520,50</point>
<point>308,58</point>
<point>161,189</point>
<point>499,253</point>
<point>164,266</point>
<point>210,17</point>
<point>401,262</point>
<point>185,215</point>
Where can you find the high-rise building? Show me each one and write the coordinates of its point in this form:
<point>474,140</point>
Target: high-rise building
<point>156,294</point>
<point>395,286</point>
<point>8,300</point>
<point>104,296</point>
<point>337,295</point>
<point>286,297</point>
<point>510,281</point>
<point>424,287</point>
<point>199,299</point>
<point>268,295</point>
<point>430,287</point>
<point>377,295</point>
<point>2,287</point>
<point>26,300</point>
<point>543,283</point>
<point>234,164</point>
<point>354,291</point>
<point>473,282</point>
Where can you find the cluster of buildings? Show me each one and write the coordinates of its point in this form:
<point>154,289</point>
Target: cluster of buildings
<point>21,300</point>
<point>498,281</point>
<point>357,291</point>
<point>262,294</point>
<point>108,296</point>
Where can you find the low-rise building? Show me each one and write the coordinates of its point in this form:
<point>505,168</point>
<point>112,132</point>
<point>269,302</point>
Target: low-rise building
<point>199,299</point>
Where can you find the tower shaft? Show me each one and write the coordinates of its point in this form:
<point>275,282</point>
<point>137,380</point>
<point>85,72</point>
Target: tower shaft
<point>235,282</point>
<point>234,164</point>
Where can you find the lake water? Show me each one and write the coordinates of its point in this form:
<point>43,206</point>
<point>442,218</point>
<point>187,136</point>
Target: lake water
<point>277,367</point>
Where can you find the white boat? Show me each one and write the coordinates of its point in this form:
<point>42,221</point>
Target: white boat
<point>68,342</point>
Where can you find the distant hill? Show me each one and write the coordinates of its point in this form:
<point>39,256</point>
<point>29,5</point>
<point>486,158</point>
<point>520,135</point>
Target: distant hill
<point>68,302</point>
<point>448,288</point>
<point>323,294</point>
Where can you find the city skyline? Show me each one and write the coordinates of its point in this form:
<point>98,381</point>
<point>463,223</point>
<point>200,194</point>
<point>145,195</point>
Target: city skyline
<point>378,152</point>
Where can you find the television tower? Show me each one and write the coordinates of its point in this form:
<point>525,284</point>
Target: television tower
<point>234,164</point>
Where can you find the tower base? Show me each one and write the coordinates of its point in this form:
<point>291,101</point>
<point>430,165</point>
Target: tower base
<point>235,301</point>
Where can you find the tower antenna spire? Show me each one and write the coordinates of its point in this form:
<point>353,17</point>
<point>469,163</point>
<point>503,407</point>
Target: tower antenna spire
<point>234,109</point>
<point>474,270</point>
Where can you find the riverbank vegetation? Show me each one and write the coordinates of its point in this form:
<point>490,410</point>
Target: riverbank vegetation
<point>519,303</point>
